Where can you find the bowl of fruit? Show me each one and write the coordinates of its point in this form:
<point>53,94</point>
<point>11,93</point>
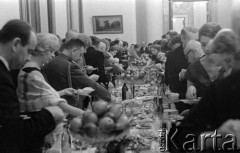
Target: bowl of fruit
<point>104,123</point>
<point>133,75</point>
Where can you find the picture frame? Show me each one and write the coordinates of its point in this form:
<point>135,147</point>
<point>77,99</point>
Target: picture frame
<point>112,24</point>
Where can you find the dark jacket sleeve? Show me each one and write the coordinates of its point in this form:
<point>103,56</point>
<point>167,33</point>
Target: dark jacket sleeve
<point>170,73</point>
<point>119,56</point>
<point>200,119</point>
<point>101,69</point>
<point>202,115</point>
<point>80,80</point>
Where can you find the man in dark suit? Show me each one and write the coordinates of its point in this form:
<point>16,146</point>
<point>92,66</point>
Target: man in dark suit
<point>62,72</point>
<point>17,134</point>
<point>144,49</point>
<point>118,44</point>
<point>176,61</point>
<point>95,58</point>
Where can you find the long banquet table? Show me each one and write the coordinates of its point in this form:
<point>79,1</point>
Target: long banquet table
<point>145,123</point>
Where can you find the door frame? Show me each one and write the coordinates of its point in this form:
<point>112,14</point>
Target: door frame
<point>171,10</point>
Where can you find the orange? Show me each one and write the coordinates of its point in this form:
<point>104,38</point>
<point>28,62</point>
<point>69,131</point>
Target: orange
<point>100,107</point>
<point>116,111</point>
<point>90,129</point>
<point>75,125</point>
<point>110,114</point>
<point>122,123</point>
<point>89,117</point>
<point>106,124</point>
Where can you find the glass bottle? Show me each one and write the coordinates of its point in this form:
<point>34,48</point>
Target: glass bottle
<point>124,91</point>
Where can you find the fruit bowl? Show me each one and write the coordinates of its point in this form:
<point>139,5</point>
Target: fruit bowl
<point>102,137</point>
<point>104,123</point>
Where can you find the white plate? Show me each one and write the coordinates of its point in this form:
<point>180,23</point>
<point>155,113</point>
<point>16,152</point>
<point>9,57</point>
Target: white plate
<point>145,98</point>
<point>187,101</point>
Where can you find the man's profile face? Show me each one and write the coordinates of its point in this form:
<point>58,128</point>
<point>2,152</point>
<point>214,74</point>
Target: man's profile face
<point>120,45</point>
<point>144,44</point>
<point>22,52</point>
<point>125,47</point>
<point>78,53</point>
<point>102,47</point>
<point>184,40</point>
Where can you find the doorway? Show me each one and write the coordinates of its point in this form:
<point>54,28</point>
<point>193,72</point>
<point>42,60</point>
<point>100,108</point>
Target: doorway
<point>183,13</point>
<point>179,21</point>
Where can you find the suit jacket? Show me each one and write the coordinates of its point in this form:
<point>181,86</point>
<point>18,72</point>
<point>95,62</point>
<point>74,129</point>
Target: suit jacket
<point>18,135</point>
<point>9,113</point>
<point>120,55</point>
<point>176,61</point>
<point>62,72</point>
<point>96,58</point>
<point>146,51</point>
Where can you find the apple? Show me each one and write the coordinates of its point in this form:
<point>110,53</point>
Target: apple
<point>90,129</point>
<point>106,124</point>
<point>100,107</point>
<point>89,117</point>
<point>122,123</point>
<point>116,111</point>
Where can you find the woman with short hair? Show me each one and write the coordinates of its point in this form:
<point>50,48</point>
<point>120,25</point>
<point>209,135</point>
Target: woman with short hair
<point>224,52</point>
<point>153,58</point>
<point>202,72</point>
<point>35,93</point>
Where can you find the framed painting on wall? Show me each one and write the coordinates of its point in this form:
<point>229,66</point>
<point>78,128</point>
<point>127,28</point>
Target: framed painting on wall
<point>107,24</point>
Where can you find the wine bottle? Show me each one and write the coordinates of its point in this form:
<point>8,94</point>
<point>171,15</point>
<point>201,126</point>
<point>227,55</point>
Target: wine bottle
<point>124,91</point>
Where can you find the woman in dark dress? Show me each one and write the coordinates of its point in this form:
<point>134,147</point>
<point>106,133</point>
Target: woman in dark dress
<point>196,74</point>
<point>202,72</point>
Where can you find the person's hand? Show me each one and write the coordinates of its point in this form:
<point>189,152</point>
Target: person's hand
<point>57,113</point>
<point>185,113</point>
<point>191,93</point>
<point>182,74</point>
<point>90,69</point>
<point>94,77</point>
<point>85,91</point>
<point>231,127</point>
<point>68,92</point>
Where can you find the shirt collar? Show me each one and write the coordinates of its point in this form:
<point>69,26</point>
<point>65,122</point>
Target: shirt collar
<point>5,62</point>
